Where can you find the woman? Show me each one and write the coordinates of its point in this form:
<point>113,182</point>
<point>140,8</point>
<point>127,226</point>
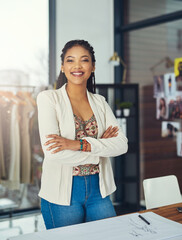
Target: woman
<point>162,108</point>
<point>78,133</point>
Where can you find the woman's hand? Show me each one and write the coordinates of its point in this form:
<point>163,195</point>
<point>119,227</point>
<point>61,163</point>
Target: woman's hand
<point>110,132</point>
<point>61,143</point>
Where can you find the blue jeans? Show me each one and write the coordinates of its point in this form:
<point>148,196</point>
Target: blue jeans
<point>87,205</point>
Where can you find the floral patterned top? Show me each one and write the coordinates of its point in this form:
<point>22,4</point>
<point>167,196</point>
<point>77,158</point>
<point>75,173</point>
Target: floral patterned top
<point>87,128</point>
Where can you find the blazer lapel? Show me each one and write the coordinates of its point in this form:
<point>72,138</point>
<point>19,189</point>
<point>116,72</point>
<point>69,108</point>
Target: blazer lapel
<point>68,117</point>
<point>93,105</point>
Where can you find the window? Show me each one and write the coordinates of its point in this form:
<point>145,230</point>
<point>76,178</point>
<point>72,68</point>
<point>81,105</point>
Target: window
<point>24,42</point>
<point>23,69</point>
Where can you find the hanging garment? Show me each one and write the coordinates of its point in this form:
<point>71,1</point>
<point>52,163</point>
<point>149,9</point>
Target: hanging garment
<point>11,144</point>
<point>14,167</point>
<point>2,163</point>
<point>16,164</point>
<point>5,127</point>
<point>26,113</point>
<point>8,101</point>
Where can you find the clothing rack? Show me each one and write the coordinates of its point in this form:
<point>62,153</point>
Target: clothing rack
<point>18,86</point>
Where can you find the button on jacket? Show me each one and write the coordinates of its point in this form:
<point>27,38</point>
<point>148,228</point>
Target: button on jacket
<point>55,116</point>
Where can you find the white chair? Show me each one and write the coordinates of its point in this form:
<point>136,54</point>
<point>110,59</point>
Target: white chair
<point>161,191</point>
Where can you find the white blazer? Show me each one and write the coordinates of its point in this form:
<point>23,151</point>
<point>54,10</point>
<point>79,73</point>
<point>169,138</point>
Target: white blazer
<point>55,116</point>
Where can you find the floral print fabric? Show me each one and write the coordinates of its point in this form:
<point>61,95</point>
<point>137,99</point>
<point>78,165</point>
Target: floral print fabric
<point>87,128</point>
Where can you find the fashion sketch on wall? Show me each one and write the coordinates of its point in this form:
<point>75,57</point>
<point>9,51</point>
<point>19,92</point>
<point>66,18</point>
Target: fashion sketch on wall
<point>170,129</point>
<point>169,84</point>
<point>179,144</point>
<point>161,107</point>
<point>158,85</point>
<point>178,69</point>
<point>175,107</point>
<point>168,94</point>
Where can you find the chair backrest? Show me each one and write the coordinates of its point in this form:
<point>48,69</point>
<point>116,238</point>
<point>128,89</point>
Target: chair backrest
<point>161,191</point>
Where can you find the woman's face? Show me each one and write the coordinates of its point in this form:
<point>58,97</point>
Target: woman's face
<point>77,65</point>
<point>162,103</point>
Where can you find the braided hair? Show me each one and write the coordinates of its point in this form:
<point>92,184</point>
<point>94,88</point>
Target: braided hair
<point>62,78</point>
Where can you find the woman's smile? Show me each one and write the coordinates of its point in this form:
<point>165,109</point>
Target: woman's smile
<point>77,73</point>
<point>77,65</point>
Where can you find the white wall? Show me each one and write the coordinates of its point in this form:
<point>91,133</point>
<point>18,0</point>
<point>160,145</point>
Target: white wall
<point>91,20</point>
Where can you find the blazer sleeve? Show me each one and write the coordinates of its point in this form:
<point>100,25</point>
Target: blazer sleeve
<point>109,147</point>
<point>49,124</point>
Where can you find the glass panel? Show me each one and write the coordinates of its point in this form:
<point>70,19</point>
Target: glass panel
<point>141,9</point>
<point>149,47</point>
<point>24,41</point>
<point>23,73</point>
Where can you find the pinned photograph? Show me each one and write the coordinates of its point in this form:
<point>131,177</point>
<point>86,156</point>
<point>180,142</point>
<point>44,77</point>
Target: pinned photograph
<point>170,129</point>
<point>179,144</point>
<point>161,108</point>
<point>158,85</point>
<point>169,84</point>
<point>178,69</point>
<point>175,107</point>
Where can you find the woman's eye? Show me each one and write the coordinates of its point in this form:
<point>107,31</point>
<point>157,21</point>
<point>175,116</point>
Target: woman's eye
<point>69,60</point>
<point>85,60</point>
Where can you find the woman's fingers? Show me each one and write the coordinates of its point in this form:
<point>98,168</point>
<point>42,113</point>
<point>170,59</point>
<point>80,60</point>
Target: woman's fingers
<point>114,135</point>
<point>113,131</point>
<point>53,146</point>
<point>110,132</point>
<point>51,141</point>
<point>57,150</point>
<point>58,147</point>
<point>52,136</point>
<point>58,143</point>
<point>106,133</point>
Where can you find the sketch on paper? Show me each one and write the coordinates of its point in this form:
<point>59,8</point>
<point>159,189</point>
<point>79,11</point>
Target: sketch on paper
<point>141,229</point>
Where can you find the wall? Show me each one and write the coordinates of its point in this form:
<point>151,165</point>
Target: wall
<point>91,21</point>
<point>148,46</point>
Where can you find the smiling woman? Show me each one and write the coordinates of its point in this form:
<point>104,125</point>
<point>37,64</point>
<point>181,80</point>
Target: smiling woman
<point>87,56</point>
<point>78,136</point>
<point>77,65</point>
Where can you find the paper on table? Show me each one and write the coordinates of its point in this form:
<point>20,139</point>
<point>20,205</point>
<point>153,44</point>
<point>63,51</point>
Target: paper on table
<point>126,227</point>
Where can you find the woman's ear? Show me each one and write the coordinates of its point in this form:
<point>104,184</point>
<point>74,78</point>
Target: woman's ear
<point>62,69</point>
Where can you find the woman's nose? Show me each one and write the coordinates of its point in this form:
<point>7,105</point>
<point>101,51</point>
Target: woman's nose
<point>77,65</point>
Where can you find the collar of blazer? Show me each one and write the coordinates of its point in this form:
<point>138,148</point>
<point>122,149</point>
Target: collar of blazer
<point>69,112</point>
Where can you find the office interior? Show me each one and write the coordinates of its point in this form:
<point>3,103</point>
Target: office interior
<point>135,41</point>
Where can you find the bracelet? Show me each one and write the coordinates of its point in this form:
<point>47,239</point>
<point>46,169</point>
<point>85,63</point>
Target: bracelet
<point>81,144</point>
<point>85,145</point>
